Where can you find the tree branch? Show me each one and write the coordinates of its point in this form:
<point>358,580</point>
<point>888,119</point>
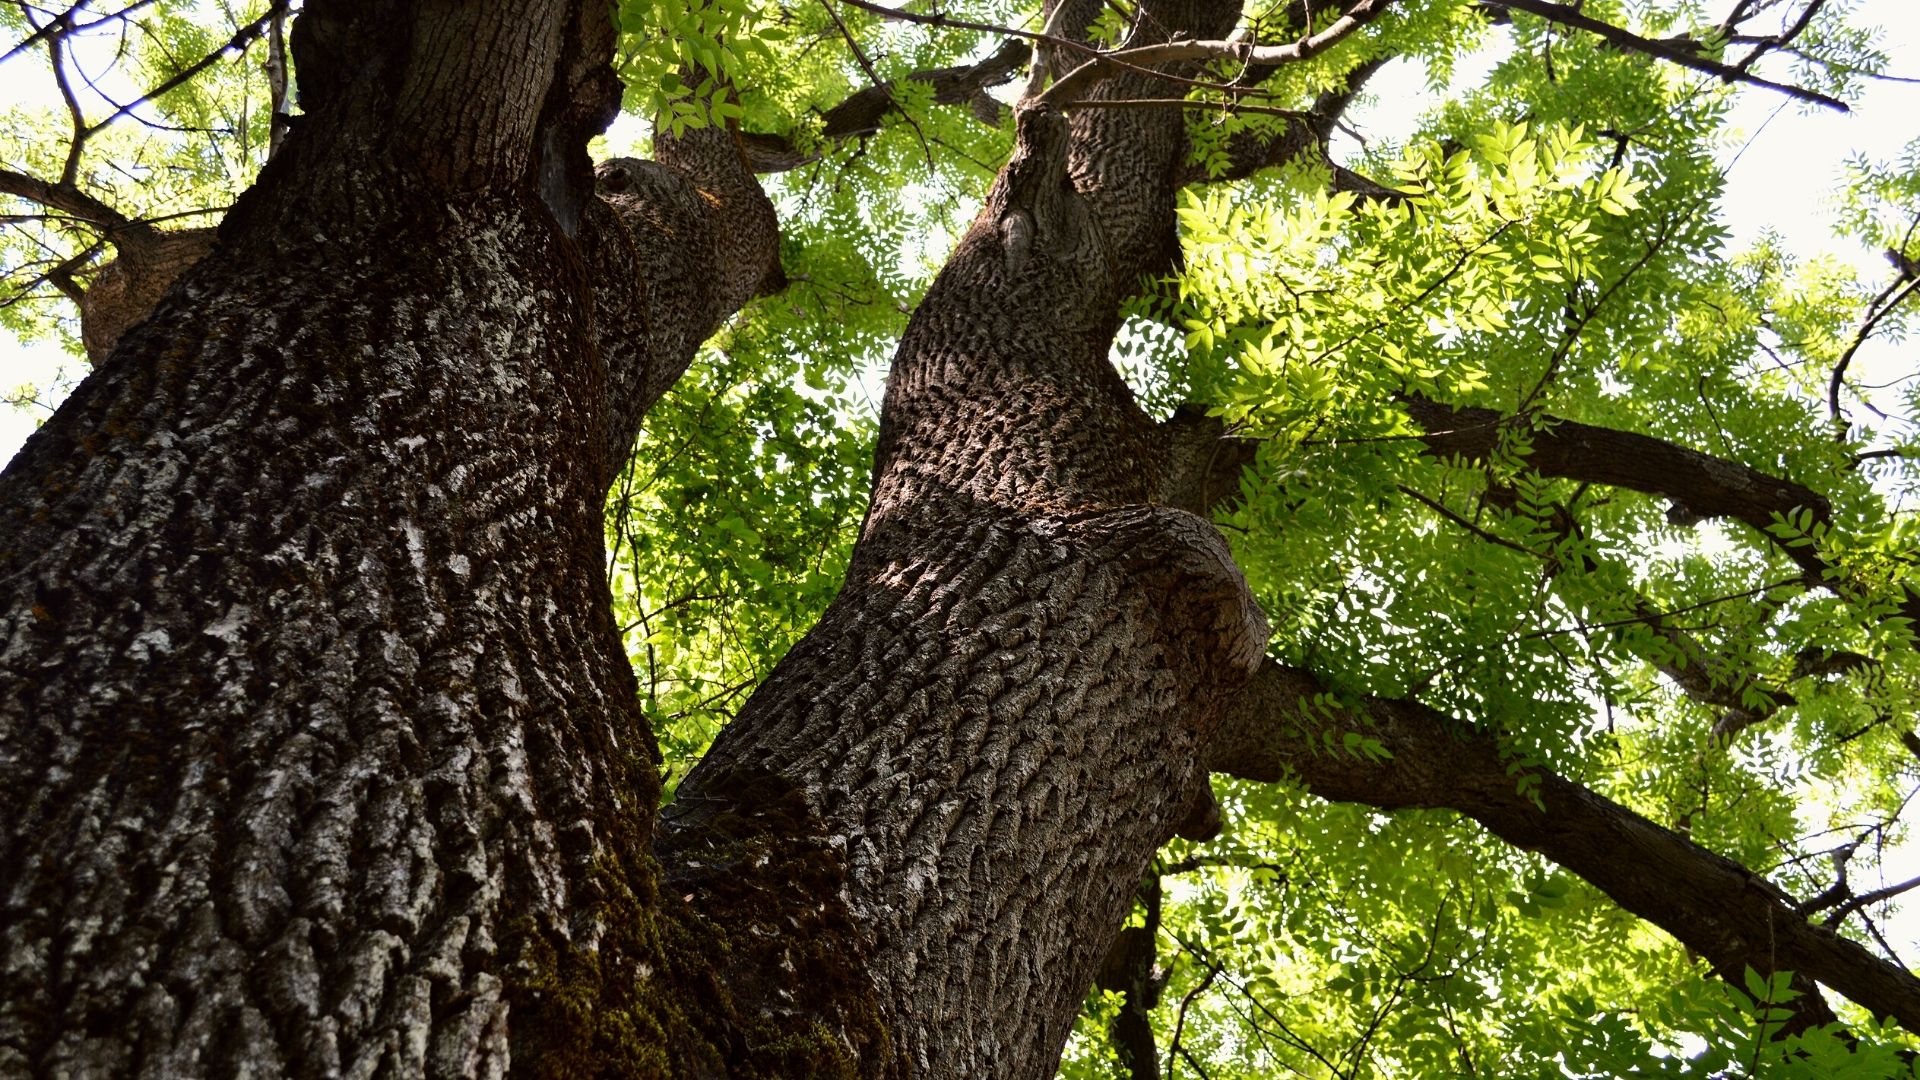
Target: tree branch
<point>1785,38</point>
<point>1700,485</point>
<point>241,39</point>
<point>1129,970</point>
<point>1283,726</point>
<point>1705,485</point>
<point>67,198</point>
<point>1076,83</point>
<point>63,24</point>
<point>1249,152</point>
<point>1569,15</point>
<point>861,112</point>
<point>1883,305</point>
<point>1204,463</point>
<point>1699,673</point>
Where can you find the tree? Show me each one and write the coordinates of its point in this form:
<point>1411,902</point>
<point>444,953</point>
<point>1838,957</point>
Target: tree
<point>322,746</point>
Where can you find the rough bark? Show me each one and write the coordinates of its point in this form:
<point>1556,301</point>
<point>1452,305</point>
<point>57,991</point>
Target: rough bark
<point>126,289</point>
<point>1002,714</point>
<point>318,746</point>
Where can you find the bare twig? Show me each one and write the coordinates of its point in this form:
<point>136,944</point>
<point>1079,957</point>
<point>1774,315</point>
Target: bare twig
<point>1437,507</point>
<point>70,169</point>
<point>1076,83</point>
<point>1874,897</point>
<point>1574,331</point>
<point>240,39</point>
<point>1883,305</point>
<point>1569,15</point>
<point>1785,38</point>
<point>1180,1019</point>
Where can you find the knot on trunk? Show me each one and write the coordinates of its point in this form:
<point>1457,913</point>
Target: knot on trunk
<point>1034,206</point>
<point>125,291</point>
<point>1205,606</point>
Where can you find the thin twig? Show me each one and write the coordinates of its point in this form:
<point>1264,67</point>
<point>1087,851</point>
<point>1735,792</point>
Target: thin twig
<point>240,39</point>
<point>1877,310</point>
<point>1077,82</point>
<point>1874,897</point>
<point>1569,15</point>
<point>1567,343</point>
<point>879,83</point>
<point>1476,530</point>
<point>1180,1021</point>
<point>1784,39</point>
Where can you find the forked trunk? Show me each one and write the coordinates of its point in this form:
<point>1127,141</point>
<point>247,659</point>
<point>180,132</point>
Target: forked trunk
<point>320,753</point>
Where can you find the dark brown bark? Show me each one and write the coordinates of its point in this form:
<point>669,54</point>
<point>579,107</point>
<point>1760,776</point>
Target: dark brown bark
<point>319,749</point>
<point>1704,485</point>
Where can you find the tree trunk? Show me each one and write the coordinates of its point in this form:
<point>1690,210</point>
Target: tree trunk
<point>319,748</point>
<point>1003,714</point>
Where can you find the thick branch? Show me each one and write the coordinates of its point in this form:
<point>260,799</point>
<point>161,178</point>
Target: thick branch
<point>68,198</point>
<point>675,246</point>
<point>1282,727</point>
<point>1700,485</point>
<point>1249,152</point>
<point>1705,485</point>
<point>1129,971</point>
<point>1204,463</point>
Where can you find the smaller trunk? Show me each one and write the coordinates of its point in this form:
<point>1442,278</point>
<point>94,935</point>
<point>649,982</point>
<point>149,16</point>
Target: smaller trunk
<point>1001,716</point>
